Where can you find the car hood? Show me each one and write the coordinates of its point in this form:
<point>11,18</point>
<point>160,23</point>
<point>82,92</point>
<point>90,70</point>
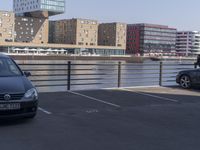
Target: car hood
<point>14,84</point>
<point>189,70</point>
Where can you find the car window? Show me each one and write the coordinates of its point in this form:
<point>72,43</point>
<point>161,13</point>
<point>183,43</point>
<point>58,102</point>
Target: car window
<point>8,68</point>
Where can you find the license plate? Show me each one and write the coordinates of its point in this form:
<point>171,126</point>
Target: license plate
<point>14,106</point>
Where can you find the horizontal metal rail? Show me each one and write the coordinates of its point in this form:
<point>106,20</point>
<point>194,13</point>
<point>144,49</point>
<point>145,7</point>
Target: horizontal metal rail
<point>139,73</point>
<point>40,75</point>
<point>170,72</point>
<point>139,64</point>
<point>140,69</point>
<point>141,82</point>
<point>88,74</point>
<point>50,85</point>
<point>40,64</point>
<point>144,77</point>
<point>41,70</point>
<point>85,79</point>
<point>169,81</point>
<point>54,85</point>
<point>87,84</point>
<point>186,64</point>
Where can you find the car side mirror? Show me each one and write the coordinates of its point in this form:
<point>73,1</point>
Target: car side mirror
<point>27,74</point>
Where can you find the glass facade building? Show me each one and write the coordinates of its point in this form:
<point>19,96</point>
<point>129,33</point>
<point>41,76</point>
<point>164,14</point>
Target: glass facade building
<point>188,43</point>
<point>148,39</point>
<point>39,7</point>
<point>54,6</point>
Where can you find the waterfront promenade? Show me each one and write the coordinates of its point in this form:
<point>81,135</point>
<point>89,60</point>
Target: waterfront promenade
<point>148,118</point>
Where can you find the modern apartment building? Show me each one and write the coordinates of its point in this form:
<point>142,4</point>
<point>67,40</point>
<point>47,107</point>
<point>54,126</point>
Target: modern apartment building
<point>188,43</point>
<point>7,32</point>
<point>75,31</point>
<point>150,39</point>
<point>27,30</point>
<point>31,29</point>
<point>22,29</point>
<point>112,34</point>
<point>51,31</point>
<point>39,8</point>
<point>31,21</point>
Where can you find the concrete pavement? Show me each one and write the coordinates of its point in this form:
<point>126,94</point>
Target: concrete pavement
<point>116,119</point>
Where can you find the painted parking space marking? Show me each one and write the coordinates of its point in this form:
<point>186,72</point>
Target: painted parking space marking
<point>95,99</point>
<point>151,95</point>
<point>44,111</point>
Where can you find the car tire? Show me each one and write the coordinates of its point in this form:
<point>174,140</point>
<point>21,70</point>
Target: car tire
<point>185,82</point>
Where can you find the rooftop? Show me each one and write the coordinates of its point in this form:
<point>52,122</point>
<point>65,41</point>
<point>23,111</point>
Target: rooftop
<point>152,25</point>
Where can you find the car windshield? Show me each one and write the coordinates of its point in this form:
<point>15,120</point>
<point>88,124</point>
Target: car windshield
<point>8,68</point>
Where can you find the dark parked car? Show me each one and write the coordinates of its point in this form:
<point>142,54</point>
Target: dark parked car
<point>18,97</point>
<point>188,78</point>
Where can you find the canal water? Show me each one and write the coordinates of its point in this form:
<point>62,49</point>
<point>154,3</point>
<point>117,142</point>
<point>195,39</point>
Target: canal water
<point>102,74</point>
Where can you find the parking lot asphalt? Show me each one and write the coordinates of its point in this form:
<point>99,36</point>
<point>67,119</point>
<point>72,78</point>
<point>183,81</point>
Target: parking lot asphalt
<point>153,118</point>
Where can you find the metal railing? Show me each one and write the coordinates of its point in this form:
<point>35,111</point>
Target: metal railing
<point>76,76</point>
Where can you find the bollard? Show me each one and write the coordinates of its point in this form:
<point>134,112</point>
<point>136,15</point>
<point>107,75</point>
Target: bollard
<point>161,73</point>
<point>119,75</point>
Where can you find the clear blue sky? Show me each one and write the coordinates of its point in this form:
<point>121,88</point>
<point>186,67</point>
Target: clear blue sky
<point>181,14</point>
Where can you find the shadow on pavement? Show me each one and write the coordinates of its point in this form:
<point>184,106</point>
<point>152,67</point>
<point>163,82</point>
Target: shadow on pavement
<point>14,121</point>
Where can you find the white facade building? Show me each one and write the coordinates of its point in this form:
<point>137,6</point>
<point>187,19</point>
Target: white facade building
<point>39,7</point>
<point>188,43</point>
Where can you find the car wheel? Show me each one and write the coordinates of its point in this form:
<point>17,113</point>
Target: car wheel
<point>185,82</point>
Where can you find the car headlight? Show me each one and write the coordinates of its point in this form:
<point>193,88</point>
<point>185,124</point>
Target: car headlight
<point>32,93</point>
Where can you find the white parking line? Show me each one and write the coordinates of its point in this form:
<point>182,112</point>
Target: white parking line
<point>45,111</point>
<point>95,99</point>
<point>150,95</point>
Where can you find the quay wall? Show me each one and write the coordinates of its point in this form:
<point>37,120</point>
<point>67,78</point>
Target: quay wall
<point>131,59</point>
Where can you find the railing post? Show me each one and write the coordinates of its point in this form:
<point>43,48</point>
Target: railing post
<point>69,76</point>
<point>161,73</point>
<point>119,75</point>
<point>195,65</point>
